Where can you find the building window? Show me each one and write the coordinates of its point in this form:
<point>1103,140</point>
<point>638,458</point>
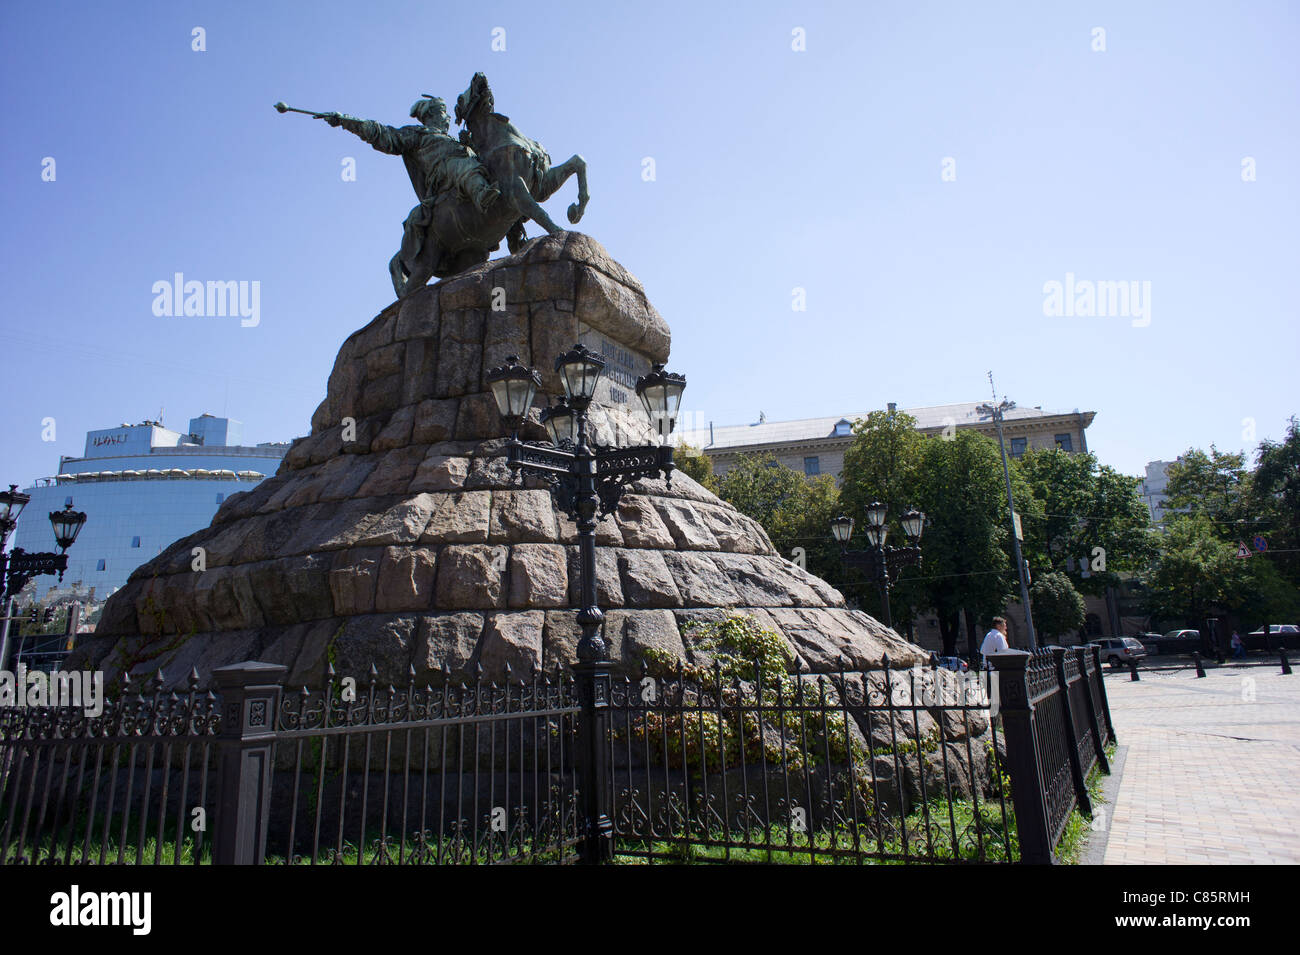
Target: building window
<point>1064,442</point>
<point>135,542</point>
<point>842,428</point>
<point>102,565</point>
<point>1018,446</point>
<point>812,466</point>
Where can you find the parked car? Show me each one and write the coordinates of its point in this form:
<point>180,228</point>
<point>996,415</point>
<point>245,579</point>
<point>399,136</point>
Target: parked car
<point>956,664</point>
<point>1182,635</point>
<point>1276,628</point>
<point>1120,650</point>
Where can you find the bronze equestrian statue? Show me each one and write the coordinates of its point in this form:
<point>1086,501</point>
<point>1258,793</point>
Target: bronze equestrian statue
<point>472,192</point>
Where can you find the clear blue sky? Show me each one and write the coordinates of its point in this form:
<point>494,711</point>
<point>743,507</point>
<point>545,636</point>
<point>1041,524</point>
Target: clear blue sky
<point>776,169</point>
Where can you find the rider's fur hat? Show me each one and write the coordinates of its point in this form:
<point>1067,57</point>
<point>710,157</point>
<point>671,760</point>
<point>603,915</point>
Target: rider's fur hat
<point>424,103</point>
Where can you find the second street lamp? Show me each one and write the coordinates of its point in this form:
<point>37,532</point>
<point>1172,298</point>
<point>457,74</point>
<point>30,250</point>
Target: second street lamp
<point>882,563</point>
<point>18,566</point>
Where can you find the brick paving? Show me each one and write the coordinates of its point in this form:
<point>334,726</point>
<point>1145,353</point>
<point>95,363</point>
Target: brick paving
<point>1211,769</point>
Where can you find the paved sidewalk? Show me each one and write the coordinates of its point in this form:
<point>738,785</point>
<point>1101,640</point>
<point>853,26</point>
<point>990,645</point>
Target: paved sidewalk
<point>1212,767</point>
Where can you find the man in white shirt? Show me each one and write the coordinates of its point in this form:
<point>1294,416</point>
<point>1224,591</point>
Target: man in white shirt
<point>995,641</point>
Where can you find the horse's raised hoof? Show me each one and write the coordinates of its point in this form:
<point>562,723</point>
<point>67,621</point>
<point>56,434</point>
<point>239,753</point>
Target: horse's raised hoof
<point>575,213</point>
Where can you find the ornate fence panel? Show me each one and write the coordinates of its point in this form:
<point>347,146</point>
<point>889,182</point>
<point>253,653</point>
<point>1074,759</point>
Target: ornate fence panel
<point>761,765</point>
<point>1097,690</point>
<point>134,783</point>
<point>459,773</point>
<point>475,772</point>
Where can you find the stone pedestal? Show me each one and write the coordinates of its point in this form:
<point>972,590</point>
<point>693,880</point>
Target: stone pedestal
<point>394,534</point>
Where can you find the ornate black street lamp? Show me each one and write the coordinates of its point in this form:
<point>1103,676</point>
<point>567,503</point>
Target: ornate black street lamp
<point>882,563</point>
<point>586,481</point>
<point>18,566</point>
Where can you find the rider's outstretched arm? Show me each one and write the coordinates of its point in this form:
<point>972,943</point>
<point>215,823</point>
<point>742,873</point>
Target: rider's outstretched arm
<point>386,139</point>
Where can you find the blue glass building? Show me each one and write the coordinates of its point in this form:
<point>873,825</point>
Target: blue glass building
<point>142,487</point>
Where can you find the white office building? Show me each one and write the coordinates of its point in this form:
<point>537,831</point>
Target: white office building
<point>142,487</point>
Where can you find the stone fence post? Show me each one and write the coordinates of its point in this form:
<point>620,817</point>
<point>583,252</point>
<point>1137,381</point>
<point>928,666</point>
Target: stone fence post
<point>250,699</point>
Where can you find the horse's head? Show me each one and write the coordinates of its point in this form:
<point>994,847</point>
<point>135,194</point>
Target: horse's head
<point>478,96</point>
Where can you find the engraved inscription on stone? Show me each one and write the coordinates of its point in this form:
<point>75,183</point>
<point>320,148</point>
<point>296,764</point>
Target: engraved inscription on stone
<point>623,366</point>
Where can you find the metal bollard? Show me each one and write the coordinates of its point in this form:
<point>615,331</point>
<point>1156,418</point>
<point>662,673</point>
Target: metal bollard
<point>1133,671</point>
<point>1286,665</point>
<point>1200,670</point>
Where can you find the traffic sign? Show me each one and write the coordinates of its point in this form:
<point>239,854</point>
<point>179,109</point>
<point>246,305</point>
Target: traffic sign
<point>1261,545</point>
<point>1242,549</point>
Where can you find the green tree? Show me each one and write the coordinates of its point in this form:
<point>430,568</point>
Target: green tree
<point>1216,503</point>
<point>1058,607</point>
<point>1275,500</point>
<point>883,464</point>
<point>1089,520</point>
<point>697,465</point>
<point>966,545</point>
<point>1197,572</point>
<point>1214,485</point>
<point>795,511</point>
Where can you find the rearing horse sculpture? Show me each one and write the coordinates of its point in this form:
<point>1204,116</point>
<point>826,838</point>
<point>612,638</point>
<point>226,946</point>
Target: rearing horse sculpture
<point>518,166</point>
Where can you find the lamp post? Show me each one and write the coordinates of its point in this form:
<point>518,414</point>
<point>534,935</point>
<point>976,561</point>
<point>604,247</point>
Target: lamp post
<point>586,482</point>
<point>882,562</point>
<point>997,411</point>
<point>17,567</point>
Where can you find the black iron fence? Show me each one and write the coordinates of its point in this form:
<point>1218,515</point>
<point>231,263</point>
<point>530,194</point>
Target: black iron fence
<point>1057,721</point>
<point>751,764</point>
<point>888,765</point>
